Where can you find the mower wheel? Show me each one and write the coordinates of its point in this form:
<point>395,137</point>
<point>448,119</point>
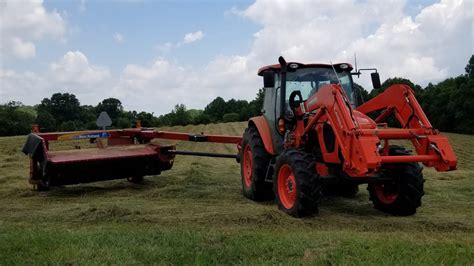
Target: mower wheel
<point>39,185</point>
<point>254,164</point>
<point>402,196</point>
<point>296,184</point>
<point>39,182</point>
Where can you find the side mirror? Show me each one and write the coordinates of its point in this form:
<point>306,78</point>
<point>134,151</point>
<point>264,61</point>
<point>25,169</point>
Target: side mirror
<point>375,80</point>
<point>268,79</point>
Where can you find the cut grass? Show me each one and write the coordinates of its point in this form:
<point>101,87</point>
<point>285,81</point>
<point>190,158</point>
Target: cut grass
<point>195,214</point>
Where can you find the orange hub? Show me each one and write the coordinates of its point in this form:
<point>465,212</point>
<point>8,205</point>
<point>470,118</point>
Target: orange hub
<point>287,186</point>
<point>386,193</point>
<point>247,167</point>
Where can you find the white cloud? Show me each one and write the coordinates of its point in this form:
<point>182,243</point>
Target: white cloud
<point>158,86</point>
<point>74,67</point>
<point>24,22</point>
<point>71,73</point>
<point>433,44</point>
<point>119,37</point>
<point>27,87</point>
<point>428,47</point>
<point>22,49</point>
<point>187,39</point>
<point>193,36</point>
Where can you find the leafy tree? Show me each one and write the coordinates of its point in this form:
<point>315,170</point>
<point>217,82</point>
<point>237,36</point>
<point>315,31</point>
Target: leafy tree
<point>112,106</point>
<point>202,118</point>
<point>180,116</point>
<point>15,119</point>
<point>470,67</point>
<point>361,94</point>
<point>256,105</point>
<point>231,117</point>
<point>146,119</point>
<point>216,109</point>
<point>88,117</point>
<point>450,104</point>
<point>389,82</point>
<point>70,125</point>
<point>63,106</point>
<point>46,121</point>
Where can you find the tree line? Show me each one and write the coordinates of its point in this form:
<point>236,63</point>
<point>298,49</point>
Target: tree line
<point>63,112</point>
<point>449,105</point>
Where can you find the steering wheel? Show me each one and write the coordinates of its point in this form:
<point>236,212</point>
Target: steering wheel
<point>293,102</point>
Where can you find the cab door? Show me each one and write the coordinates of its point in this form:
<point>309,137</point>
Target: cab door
<point>271,112</point>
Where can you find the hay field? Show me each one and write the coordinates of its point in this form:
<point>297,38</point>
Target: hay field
<point>195,214</point>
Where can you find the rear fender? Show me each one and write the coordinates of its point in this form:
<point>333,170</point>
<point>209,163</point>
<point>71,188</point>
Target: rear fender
<point>262,126</point>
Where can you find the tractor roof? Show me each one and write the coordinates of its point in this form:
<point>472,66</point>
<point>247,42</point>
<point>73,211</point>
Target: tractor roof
<point>276,67</point>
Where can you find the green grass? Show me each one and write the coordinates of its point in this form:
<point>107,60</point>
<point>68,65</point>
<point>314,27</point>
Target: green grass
<point>195,214</point>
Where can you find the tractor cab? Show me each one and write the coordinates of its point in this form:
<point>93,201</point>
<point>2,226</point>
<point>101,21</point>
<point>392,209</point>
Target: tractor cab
<point>309,78</point>
<point>305,78</point>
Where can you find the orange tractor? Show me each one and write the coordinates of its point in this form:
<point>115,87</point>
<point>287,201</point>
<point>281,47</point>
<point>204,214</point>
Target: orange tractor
<point>312,139</point>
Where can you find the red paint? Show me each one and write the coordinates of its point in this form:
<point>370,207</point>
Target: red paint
<point>262,126</point>
<point>386,193</point>
<point>287,189</point>
<point>247,166</point>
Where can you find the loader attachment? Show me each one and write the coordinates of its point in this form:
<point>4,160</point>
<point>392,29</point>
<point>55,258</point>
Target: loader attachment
<point>432,148</point>
<point>350,137</point>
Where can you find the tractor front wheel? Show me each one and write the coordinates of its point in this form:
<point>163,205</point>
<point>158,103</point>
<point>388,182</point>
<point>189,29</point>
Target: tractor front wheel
<point>296,184</point>
<point>402,195</point>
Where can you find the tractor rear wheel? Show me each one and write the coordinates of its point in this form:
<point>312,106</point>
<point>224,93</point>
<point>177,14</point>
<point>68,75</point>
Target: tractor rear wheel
<point>296,184</point>
<point>254,162</point>
<point>402,195</point>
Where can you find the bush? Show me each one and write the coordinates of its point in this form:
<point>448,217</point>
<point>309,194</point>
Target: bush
<point>202,119</point>
<point>231,117</point>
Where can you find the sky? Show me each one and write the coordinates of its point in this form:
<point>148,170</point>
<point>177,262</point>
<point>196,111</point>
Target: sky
<point>152,55</point>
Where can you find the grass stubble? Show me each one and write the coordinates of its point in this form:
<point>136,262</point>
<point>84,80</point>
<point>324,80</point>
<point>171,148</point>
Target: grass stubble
<point>195,214</point>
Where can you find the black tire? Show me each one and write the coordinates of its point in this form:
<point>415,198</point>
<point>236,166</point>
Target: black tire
<point>407,184</point>
<point>253,172</point>
<point>307,181</point>
<point>341,189</point>
<point>135,179</point>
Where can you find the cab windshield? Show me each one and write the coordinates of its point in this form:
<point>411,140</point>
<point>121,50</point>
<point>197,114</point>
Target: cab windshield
<point>310,80</point>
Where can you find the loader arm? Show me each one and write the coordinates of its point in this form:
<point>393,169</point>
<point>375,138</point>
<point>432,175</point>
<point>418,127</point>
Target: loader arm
<point>338,132</point>
<point>399,100</point>
<point>349,137</point>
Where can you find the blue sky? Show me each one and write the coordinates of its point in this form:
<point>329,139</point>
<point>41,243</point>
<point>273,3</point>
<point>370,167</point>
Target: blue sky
<point>146,25</point>
<point>138,51</point>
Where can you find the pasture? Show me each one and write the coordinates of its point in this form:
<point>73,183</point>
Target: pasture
<point>196,214</point>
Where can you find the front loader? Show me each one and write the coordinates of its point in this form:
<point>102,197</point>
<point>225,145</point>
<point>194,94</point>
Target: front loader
<point>313,139</point>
